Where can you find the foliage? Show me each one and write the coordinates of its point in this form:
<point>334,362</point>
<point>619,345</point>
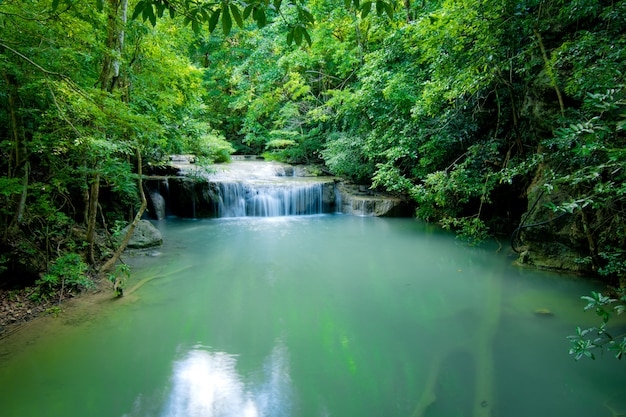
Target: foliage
<point>64,130</point>
<point>594,175</point>
<point>586,341</point>
<point>119,278</point>
<point>296,14</point>
<point>459,104</point>
<point>68,272</point>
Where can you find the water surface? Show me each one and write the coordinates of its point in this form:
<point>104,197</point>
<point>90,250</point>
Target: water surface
<point>326,315</point>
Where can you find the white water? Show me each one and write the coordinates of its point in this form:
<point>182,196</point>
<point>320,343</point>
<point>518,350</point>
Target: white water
<point>264,189</point>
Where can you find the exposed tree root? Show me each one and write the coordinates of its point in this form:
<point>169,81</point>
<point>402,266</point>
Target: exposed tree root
<point>482,352</point>
<point>429,395</point>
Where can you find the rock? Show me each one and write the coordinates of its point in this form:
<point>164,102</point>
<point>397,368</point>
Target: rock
<point>158,205</point>
<point>361,201</point>
<point>308,171</point>
<point>543,312</point>
<point>551,240</point>
<point>144,236</point>
<point>186,159</point>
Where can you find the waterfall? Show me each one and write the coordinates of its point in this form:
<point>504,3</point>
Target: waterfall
<point>241,199</point>
<point>248,187</point>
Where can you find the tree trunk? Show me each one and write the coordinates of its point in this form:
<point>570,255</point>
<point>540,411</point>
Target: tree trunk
<point>117,17</point>
<point>94,195</point>
<point>108,80</point>
<point>144,203</point>
<point>120,44</point>
<point>15,158</point>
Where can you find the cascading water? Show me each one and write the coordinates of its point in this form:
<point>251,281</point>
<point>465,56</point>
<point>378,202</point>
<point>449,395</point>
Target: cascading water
<point>266,189</point>
<point>256,188</point>
<point>241,199</point>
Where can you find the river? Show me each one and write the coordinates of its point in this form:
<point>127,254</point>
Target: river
<point>323,315</point>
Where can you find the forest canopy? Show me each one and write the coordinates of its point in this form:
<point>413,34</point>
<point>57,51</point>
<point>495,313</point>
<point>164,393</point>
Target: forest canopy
<point>491,116</point>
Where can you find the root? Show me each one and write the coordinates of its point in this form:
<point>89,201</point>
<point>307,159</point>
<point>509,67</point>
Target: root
<point>613,412</point>
<point>429,396</point>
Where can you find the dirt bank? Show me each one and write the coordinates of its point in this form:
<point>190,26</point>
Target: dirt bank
<point>18,308</point>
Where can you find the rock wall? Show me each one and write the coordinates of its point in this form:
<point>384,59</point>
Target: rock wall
<point>548,239</point>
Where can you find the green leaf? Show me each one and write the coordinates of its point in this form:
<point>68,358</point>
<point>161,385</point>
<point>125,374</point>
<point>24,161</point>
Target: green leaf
<point>234,10</point>
<point>138,9</point>
<point>290,37</point>
<point>307,36</point>
<point>215,17</point>
<point>55,5</point>
<point>297,35</point>
<point>247,11</point>
<point>100,5</point>
<point>227,22</point>
<point>160,9</point>
<point>152,16</point>
<point>259,16</point>
<point>366,7</point>
<point>277,4</point>
<point>380,5</point>
<point>308,16</point>
<point>389,10</point>
<point>205,14</point>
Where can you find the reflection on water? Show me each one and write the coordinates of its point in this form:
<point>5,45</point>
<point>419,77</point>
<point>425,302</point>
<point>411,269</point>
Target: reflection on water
<point>207,384</point>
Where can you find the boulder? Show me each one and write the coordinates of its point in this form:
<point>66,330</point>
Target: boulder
<point>144,236</point>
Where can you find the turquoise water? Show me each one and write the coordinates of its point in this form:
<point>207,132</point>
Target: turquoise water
<point>326,315</point>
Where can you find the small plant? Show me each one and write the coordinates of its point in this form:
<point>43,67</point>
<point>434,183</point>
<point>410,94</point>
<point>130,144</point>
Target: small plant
<point>53,311</point>
<point>470,229</point>
<point>119,278</point>
<point>66,272</point>
<point>118,227</point>
<point>585,341</point>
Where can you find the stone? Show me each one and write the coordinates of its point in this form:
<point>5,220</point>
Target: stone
<point>543,312</point>
<point>157,205</point>
<point>361,201</point>
<point>144,236</point>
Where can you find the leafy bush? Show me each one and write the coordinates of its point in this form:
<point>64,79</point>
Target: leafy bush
<point>344,155</point>
<point>67,272</point>
<point>209,146</point>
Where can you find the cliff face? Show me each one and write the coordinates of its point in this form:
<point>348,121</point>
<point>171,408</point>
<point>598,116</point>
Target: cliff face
<point>556,233</point>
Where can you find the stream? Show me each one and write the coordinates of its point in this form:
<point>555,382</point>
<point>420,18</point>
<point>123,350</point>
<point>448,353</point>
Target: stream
<point>319,315</point>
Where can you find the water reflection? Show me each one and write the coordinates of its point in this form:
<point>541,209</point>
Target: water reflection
<point>207,384</point>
